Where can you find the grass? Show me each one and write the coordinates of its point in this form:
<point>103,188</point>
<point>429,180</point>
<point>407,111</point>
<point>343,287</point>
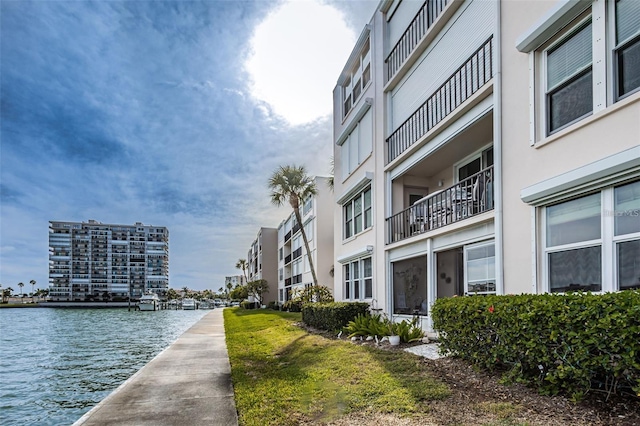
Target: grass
<point>283,375</point>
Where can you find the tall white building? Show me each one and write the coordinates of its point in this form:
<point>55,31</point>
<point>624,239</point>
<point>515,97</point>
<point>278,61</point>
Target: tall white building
<point>234,280</point>
<point>92,261</point>
<point>294,271</point>
<point>262,260</point>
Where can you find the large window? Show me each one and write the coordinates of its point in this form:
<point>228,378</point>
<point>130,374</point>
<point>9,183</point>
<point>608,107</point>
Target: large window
<point>569,79</point>
<point>585,67</point>
<point>358,214</point>
<point>627,235</point>
<point>410,286</point>
<point>627,50</point>
<point>480,269</point>
<point>358,280</point>
<point>591,247</point>
<point>358,79</point>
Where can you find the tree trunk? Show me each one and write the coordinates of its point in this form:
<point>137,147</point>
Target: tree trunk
<point>306,246</point>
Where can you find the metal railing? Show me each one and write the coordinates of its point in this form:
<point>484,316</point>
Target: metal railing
<point>416,30</point>
<point>297,253</point>
<point>467,198</point>
<point>465,81</point>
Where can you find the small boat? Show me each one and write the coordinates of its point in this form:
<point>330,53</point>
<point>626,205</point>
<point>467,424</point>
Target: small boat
<point>188,304</point>
<point>149,302</point>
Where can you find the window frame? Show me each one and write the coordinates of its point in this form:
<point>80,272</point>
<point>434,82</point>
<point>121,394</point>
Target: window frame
<point>559,39</point>
<point>359,73</point>
<point>607,241</point>
<point>615,48</point>
<point>348,221</point>
<point>469,247</point>
<point>354,280</point>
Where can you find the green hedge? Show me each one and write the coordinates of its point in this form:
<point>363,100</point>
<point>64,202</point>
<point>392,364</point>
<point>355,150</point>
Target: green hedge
<point>560,343</point>
<point>332,316</point>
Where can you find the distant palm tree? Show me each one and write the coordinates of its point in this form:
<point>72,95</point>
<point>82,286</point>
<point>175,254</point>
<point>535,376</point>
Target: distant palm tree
<point>20,285</point>
<point>331,173</point>
<point>229,287</point>
<point>242,264</point>
<point>291,183</point>
<point>6,293</point>
<point>33,284</point>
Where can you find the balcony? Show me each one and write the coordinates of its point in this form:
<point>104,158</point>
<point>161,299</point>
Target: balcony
<point>297,253</point>
<point>412,36</point>
<point>287,259</point>
<point>287,282</point>
<point>469,197</point>
<point>297,279</point>
<point>466,81</point>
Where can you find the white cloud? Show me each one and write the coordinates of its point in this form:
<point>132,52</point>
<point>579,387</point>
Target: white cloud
<point>298,52</point>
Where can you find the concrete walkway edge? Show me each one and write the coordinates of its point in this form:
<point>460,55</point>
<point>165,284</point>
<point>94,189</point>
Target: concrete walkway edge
<point>187,383</point>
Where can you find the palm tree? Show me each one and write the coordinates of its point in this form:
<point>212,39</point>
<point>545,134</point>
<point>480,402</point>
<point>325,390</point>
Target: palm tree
<point>33,285</point>
<point>20,285</point>
<point>6,293</point>
<point>291,183</point>
<point>242,264</point>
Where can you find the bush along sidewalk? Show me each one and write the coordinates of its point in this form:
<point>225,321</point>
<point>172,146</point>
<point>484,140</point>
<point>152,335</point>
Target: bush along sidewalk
<point>570,343</point>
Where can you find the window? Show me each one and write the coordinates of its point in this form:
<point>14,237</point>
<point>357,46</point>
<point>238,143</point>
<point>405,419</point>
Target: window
<point>358,214</point>
<point>590,64</point>
<point>306,208</point>
<point>627,235</point>
<point>410,286</point>
<point>574,247</point>
<point>359,78</point>
<point>358,145</point>
<point>474,165</point>
<point>586,242</point>
<point>358,280</point>
<point>480,269</point>
<point>569,79</point>
<point>627,50</point>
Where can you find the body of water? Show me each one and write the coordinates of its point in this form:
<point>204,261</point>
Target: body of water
<point>55,364</point>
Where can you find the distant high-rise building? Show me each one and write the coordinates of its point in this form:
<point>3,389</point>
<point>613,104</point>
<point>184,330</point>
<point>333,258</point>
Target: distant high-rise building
<point>262,260</point>
<point>92,261</point>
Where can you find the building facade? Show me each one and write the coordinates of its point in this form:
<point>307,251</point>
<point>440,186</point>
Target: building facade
<point>294,270</point>
<point>488,147</point>
<point>234,281</point>
<point>571,95</point>
<point>262,260</point>
<point>92,261</point>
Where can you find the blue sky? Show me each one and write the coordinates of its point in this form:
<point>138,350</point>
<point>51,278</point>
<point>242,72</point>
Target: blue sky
<point>167,113</point>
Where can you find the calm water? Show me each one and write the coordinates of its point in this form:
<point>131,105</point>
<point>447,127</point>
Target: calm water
<point>55,364</point>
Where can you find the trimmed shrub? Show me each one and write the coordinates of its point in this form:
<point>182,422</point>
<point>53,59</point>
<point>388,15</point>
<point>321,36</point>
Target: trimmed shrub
<point>332,316</point>
<point>273,305</point>
<point>245,304</point>
<point>560,343</point>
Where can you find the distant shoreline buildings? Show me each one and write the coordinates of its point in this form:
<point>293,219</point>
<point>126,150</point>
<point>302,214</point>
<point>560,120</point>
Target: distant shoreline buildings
<point>93,261</point>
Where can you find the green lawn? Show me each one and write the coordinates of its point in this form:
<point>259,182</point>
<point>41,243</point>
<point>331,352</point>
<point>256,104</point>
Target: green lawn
<point>284,375</point>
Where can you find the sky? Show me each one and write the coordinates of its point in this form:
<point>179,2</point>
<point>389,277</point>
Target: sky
<point>169,113</point>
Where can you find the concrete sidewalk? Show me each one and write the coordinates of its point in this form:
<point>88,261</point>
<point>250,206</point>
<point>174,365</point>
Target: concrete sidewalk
<point>187,383</point>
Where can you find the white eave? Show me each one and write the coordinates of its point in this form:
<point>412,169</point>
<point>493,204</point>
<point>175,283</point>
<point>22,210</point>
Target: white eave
<point>366,250</point>
<point>362,183</point>
<point>553,21</point>
<point>598,174</point>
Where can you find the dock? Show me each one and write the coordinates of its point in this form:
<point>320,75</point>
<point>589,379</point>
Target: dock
<point>187,383</point>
